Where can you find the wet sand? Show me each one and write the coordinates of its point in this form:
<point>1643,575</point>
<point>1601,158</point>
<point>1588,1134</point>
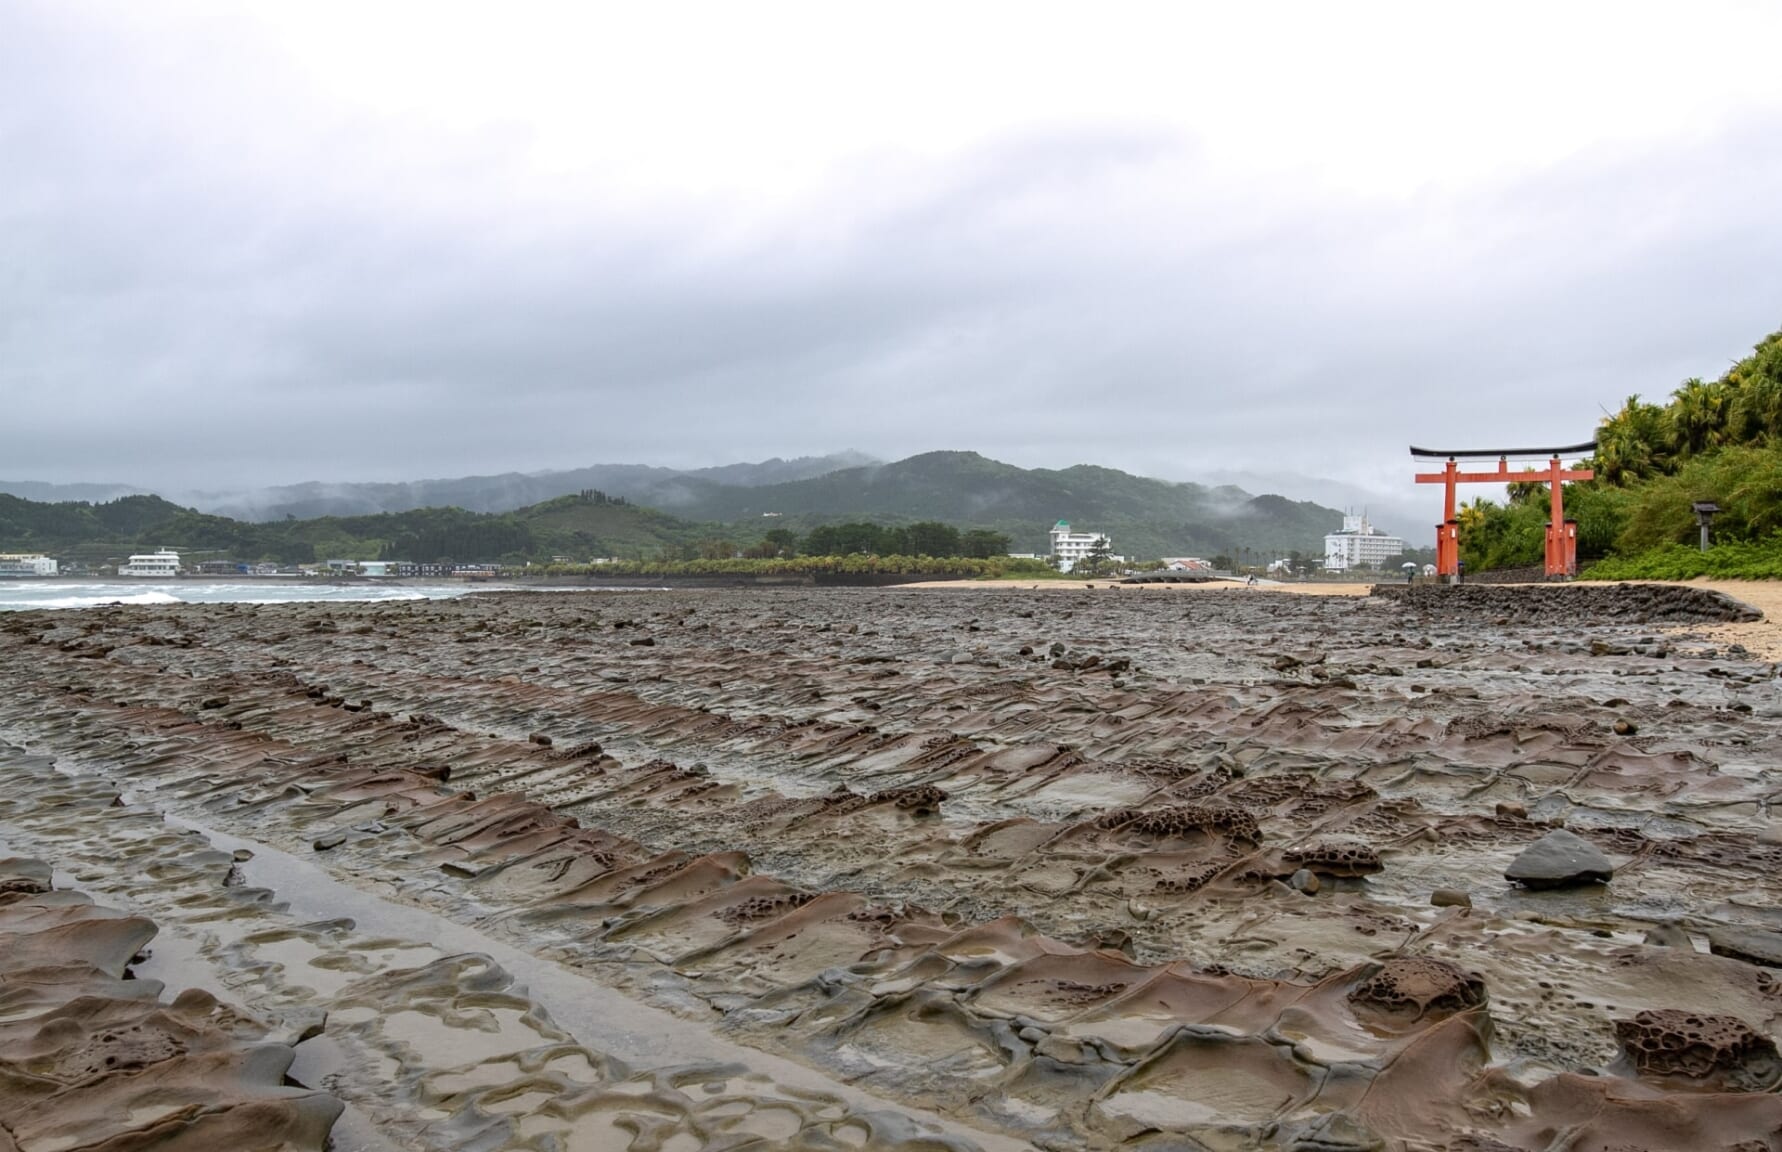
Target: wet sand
<point>939,868</point>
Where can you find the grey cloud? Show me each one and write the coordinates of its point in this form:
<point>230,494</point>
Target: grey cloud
<point>196,288</point>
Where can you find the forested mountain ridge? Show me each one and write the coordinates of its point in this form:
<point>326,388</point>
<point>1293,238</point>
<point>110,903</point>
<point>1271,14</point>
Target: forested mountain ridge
<point>583,525</point>
<point>646,484</point>
<point>1145,518</point>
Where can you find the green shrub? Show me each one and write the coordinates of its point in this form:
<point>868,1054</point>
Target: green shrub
<point>1732,560</point>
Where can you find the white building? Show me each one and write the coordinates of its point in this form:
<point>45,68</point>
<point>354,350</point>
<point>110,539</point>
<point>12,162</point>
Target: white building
<point>25,566</point>
<point>163,563</point>
<point>1069,547</point>
<point>1187,564</point>
<point>1359,545</point>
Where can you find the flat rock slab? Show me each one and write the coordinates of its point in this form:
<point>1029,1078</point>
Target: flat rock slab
<point>1560,859</point>
<point>1752,945</point>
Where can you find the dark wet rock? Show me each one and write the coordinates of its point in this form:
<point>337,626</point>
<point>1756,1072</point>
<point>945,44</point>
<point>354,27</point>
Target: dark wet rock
<point>20,878</point>
<point>1510,809</point>
<point>1336,858</point>
<point>1450,898</point>
<point>921,800</point>
<point>1625,728</point>
<point>1576,605</point>
<point>328,842</point>
<point>1752,945</point>
<point>1183,820</point>
<point>1305,880</point>
<point>1420,986</point>
<point>1669,1042</point>
<point>1560,859</point>
<point>643,642</point>
<point>90,1062</point>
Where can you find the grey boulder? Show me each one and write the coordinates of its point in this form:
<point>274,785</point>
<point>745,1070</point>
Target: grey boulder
<point>1560,859</point>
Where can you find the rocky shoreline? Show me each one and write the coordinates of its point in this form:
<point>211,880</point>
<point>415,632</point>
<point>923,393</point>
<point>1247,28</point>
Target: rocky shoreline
<point>1081,870</point>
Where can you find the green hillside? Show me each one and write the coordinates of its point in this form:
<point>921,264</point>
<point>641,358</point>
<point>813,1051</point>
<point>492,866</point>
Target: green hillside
<point>959,490</point>
<point>582,526</point>
<point>1145,517</point>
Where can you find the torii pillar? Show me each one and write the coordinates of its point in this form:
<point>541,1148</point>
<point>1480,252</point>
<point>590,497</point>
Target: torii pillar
<point>1562,534</point>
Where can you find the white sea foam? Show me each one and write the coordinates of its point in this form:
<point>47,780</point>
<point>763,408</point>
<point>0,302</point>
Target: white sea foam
<point>93,601</point>
<point>25,595</point>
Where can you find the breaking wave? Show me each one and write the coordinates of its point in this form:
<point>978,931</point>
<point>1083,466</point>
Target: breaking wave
<point>31,595</point>
<point>91,601</point>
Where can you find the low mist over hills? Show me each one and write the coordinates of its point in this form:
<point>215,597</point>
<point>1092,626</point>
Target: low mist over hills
<point>1145,517</point>
<point>639,483</point>
<point>739,502</point>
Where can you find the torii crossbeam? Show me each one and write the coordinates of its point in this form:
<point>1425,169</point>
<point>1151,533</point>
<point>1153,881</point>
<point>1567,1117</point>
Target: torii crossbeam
<point>1562,534</point>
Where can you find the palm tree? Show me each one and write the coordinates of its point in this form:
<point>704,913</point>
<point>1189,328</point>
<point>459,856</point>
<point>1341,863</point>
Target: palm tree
<point>1472,516</point>
<point>1756,407</point>
<point>1630,445</point>
<point>1698,416</point>
<point>1526,491</point>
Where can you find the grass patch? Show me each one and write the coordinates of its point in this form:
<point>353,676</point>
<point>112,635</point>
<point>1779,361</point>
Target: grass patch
<point>1736,560</point>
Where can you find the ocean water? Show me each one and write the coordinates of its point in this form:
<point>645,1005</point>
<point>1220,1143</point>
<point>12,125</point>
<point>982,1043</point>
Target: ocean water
<point>24,595</point>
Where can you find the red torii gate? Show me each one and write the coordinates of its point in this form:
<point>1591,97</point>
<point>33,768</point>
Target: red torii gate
<point>1562,534</point>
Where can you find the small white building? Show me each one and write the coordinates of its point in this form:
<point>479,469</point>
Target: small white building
<point>25,566</point>
<point>1359,545</point>
<point>1187,564</point>
<point>1069,547</point>
<point>163,563</point>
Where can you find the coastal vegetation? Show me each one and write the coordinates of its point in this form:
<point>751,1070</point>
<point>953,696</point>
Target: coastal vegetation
<point>857,564</point>
<point>1718,441</point>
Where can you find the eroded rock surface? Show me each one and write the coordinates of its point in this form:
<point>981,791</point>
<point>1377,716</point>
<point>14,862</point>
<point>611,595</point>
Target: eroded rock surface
<point>1039,900</point>
<point>91,1057</point>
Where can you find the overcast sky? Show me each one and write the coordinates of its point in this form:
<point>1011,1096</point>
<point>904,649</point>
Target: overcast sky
<point>256,244</point>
